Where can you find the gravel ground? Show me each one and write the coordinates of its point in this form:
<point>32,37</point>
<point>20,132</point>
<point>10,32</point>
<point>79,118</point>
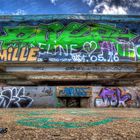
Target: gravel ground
<point>70,124</point>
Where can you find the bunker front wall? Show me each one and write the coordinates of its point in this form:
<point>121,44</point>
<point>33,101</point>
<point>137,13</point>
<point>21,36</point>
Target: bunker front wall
<point>51,96</point>
<point>70,38</point>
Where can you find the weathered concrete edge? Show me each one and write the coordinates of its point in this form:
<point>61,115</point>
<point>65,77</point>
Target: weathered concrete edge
<point>117,18</point>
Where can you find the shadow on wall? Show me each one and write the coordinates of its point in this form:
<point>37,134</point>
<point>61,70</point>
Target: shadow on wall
<point>137,101</point>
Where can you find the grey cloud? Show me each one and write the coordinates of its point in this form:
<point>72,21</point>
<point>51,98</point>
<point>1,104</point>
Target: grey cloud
<point>116,6</point>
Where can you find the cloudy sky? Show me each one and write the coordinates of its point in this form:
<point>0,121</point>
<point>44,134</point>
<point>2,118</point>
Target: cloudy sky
<point>22,7</point>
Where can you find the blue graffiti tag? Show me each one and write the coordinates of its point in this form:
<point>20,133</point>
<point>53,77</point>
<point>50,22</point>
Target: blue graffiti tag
<point>74,91</point>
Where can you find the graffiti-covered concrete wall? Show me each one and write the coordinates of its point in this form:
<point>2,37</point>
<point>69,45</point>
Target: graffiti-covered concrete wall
<point>115,97</point>
<point>39,96</point>
<point>71,96</point>
<point>73,40</point>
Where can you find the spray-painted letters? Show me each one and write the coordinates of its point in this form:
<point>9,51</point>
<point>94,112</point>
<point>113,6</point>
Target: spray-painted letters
<point>74,91</point>
<point>68,42</point>
<point>112,97</point>
<point>14,97</point>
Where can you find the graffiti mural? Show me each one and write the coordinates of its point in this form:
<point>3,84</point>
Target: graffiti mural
<point>113,97</point>
<point>74,91</point>
<point>28,96</point>
<point>69,96</point>
<point>11,98</point>
<point>71,41</point>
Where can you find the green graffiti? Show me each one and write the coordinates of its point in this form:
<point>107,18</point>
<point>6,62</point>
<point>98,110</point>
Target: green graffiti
<point>74,35</point>
<point>38,119</point>
<point>47,123</point>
